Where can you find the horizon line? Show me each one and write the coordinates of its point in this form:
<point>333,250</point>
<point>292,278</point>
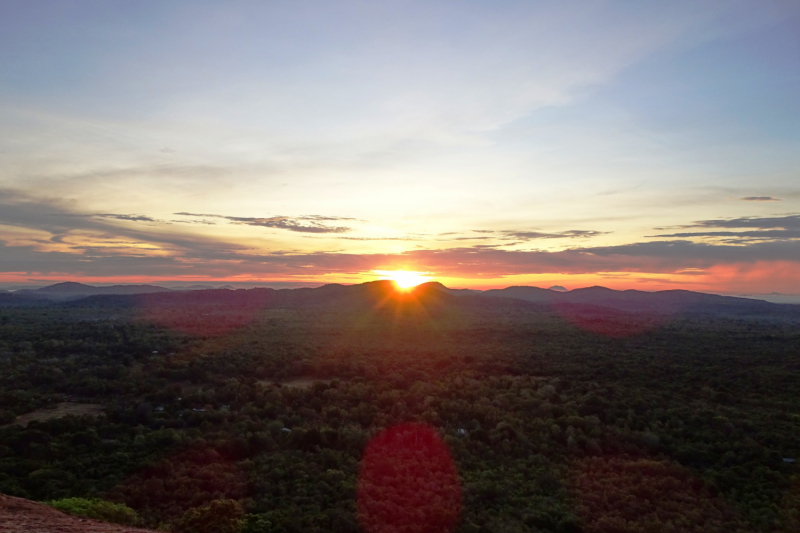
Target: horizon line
<point>291,285</point>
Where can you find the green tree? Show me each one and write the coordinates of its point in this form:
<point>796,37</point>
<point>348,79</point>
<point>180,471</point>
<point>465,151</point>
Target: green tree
<point>116,513</point>
<point>219,516</point>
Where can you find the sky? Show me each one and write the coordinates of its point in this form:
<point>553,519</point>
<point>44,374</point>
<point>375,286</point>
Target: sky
<point>636,145</point>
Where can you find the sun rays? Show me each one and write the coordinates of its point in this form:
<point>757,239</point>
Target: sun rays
<point>404,279</point>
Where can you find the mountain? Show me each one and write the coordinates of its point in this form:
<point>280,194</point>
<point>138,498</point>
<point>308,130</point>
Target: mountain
<point>459,292</point>
<point>18,515</point>
<point>635,301</point>
<point>70,290</point>
<point>366,295</point>
<point>529,294</point>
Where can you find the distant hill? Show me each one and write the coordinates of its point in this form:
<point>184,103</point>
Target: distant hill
<point>529,294</point>
<point>371,294</point>
<point>634,301</point>
<point>70,290</point>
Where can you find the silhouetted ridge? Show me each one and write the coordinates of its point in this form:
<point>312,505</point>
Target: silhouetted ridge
<point>633,301</point>
<point>386,292</point>
<point>70,290</point>
<point>331,295</point>
<point>66,286</point>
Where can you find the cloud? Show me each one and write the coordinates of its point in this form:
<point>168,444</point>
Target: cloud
<point>760,199</point>
<point>734,236</point>
<point>522,235</point>
<point>203,222</point>
<point>778,222</point>
<point>379,238</point>
<point>570,234</point>
<point>302,224</point>
<point>652,257</point>
<point>113,216</point>
<point>475,262</point>
<point>131,218</point>
<point>680,254</point>
<point>72,230</point>
<point>78,246</point>
<point>763,229</point>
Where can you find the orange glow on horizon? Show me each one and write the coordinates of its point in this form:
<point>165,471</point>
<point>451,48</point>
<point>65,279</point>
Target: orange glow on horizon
<point>737,278</point>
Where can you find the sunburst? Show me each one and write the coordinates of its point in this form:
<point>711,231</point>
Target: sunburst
<point>404,279</point>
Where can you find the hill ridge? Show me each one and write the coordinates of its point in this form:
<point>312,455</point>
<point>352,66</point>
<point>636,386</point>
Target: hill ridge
<point>669,301</point>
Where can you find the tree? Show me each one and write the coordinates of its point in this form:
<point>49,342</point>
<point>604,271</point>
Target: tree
<point>116,513</point>
<point>219,516</point>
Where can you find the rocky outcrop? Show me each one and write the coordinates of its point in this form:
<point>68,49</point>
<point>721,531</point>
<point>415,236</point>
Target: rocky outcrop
<point>18,515</point>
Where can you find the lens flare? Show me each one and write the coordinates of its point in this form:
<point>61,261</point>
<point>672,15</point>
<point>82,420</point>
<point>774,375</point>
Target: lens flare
<point>408,482</point>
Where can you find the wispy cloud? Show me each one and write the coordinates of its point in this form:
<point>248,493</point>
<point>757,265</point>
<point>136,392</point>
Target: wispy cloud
<point>411,239</point>
<point>777,222</point>
<point>467,239</point>
<point>777,228</point>
<point>202,222</point>
<point>301,224</point>
<point>570,234</point>
<point>112,216</point>
<point>758,229</point>
<point>760,199</point>
<point>740,236</point>
<point>70,230</point>
<point>525,235</point>
<point>129,218</point>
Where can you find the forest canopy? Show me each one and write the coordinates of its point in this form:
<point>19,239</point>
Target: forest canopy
<point>539,423</point>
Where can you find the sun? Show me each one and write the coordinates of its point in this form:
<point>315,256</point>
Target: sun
<point>405,279</point>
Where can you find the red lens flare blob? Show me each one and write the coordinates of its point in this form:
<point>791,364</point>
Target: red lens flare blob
<point>408,483</point>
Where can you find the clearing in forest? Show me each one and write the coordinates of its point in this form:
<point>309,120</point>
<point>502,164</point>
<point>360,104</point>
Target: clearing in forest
<point>58,411</point>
